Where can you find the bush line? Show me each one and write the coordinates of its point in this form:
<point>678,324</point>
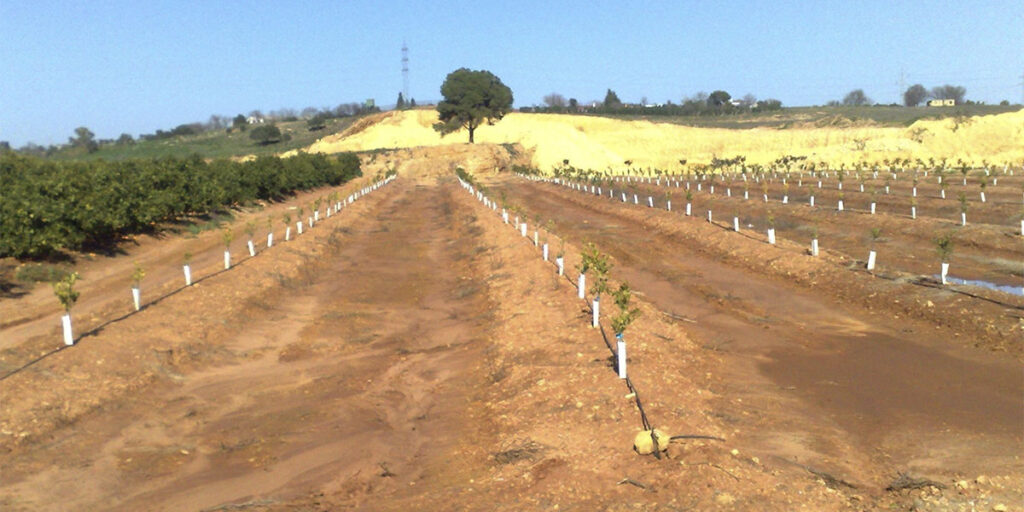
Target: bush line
<point>50,206</point>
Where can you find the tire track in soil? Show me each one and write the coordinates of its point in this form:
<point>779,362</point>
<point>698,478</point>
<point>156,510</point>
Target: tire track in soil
<point>824,380</point>
<point>354,382</point>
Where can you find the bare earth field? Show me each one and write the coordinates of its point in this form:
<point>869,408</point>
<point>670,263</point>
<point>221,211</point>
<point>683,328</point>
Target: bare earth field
<point>413,352</point>
<point>989,248</point>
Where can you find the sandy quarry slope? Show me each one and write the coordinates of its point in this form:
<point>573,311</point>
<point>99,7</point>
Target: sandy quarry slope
<point>600,143</point>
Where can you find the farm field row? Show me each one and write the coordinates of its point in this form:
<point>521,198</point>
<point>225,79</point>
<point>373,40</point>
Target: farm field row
<point>981,251</point>
<point>27,327</point>
<point>863,365</point>
<point>1003,205</point>
<point>417,353</point>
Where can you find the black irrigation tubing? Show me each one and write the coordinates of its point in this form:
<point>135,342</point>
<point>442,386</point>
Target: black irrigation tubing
<point>916,282</point>
<point>95,331</point>
<point>629,382</point>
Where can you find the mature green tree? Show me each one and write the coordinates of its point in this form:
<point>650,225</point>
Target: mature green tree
<point>914,95</point>
<point>84,138</point>
<point>400,104</point>
<point>317,122</point>
<point>125,140</point>
<point>239,122</point>
<point>265,134</point>
<point>768,104</point>
<point>611,100</point>
<point>856,97</point>
<point>471,98</point>
<point>949,92</point>
<point>719,98</point>
<point>412,102</point>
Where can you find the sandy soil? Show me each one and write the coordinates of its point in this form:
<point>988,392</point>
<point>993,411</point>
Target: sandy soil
<point>989,248</point>
<point>414,352</point>
<point>599,143</point>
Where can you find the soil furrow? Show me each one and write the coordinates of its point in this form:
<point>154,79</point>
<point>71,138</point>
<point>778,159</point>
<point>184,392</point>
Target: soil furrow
<point>360,367</point>
<point>885,383</point>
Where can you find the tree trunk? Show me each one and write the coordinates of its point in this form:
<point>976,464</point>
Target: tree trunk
<point>471,128</point>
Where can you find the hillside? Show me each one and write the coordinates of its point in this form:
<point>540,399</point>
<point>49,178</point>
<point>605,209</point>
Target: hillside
<point>211,144</point>
<point>600,143</point>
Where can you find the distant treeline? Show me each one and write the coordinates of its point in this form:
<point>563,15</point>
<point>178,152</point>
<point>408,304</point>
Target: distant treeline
<point>47,206</point>
<point>315,117</point>
<point>715,104</point>
<point>667,109</point>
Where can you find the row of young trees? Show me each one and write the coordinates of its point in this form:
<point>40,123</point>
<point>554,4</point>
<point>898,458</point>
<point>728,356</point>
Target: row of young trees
<point>67,295</point>
<point>48,206</point>
<point>943,243</point>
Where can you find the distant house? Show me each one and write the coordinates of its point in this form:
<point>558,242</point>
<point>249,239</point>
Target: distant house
<point>254,120</point>
<point>942,103</point>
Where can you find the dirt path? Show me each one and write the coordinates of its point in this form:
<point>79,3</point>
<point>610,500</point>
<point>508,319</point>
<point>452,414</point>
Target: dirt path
<point>360,370</point>
<point>819,378</point>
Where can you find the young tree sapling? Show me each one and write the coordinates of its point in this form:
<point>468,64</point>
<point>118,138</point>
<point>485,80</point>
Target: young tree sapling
<point>65,291</point>
<point>137,274</point>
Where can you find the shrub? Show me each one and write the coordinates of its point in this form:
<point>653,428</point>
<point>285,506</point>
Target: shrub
<point>265,134</point>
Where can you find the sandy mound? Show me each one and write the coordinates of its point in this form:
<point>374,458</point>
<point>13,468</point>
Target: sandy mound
<point>602,143</point>
<point>429,162</point>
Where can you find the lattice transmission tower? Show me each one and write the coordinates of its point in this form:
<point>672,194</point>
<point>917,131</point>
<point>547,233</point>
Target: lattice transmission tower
<point>405,71</point>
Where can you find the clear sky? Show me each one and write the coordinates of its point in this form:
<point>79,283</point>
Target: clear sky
<point>138,66</point>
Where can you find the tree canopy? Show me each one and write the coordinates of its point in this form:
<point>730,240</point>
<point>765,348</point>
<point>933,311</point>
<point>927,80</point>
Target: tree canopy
<point>856,97</point>
<point>718,98</point>
<point>317,122</point>
<point>611,100</point>
<point>265,134</point>
<point>471,98</point>
<point>554,100</point>
<point>84,138</point>
<point>949,92</point>
<point>915,95</point>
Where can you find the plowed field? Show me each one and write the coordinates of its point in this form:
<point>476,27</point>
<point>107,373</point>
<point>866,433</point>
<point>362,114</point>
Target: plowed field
<point>414,352</point>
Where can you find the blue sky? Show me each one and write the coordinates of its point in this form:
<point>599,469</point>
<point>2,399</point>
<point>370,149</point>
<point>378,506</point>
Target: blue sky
<point>120,66</point>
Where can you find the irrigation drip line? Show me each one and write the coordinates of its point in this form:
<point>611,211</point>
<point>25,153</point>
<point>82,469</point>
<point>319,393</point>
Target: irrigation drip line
<point>604,336</point>
<point>99,328</point>
<point>917,282</point>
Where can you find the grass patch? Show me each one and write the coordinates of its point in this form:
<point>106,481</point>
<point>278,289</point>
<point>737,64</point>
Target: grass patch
<point>40,273</point>
<point>209,222</point>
